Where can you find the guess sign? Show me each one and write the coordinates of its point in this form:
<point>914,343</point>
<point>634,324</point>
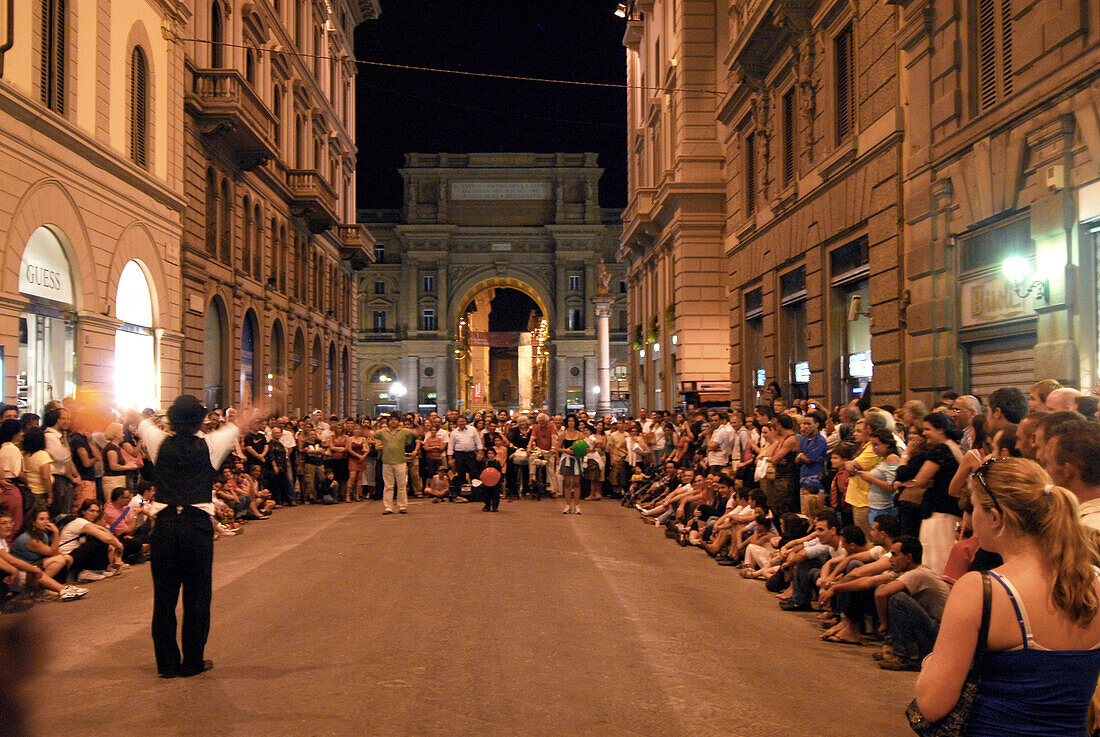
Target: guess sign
<point>44,271</point>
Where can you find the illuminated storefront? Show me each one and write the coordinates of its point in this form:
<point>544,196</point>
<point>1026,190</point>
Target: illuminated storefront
<point>46,327</point>
<point>136,382</point>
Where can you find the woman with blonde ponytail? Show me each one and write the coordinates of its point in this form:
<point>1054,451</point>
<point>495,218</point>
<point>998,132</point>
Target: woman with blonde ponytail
<point>1043,649</point>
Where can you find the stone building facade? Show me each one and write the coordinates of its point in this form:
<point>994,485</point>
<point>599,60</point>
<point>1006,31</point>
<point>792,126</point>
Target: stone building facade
<point>91,200</point>
<point>472,226</point>
<point>270,240</point>
<point>1002,152</point>
<point>673,223</point>
<point>880,162</point>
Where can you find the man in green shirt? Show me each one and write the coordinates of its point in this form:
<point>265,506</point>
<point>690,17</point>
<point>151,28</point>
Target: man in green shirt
<point>392,442</point>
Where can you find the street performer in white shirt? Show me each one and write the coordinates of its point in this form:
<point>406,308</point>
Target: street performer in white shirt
<point>182,543</point>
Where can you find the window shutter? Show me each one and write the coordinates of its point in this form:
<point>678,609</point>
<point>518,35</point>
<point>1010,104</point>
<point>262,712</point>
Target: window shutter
<point>139,107</point>
<point>987,53</point>
<point>788,137</point>
<point>845,83</point>
<point>52,72</point>
<point>750,173</point>
<point>59,57</point>
<point>1006,46</point>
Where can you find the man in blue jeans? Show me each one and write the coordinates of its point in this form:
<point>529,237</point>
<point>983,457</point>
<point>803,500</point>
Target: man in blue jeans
<point>910,607</point>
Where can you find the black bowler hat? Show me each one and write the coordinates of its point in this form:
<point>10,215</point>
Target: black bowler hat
<point>186,410</point>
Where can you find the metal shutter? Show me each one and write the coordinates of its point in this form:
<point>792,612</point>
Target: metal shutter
<point>1006,362</point>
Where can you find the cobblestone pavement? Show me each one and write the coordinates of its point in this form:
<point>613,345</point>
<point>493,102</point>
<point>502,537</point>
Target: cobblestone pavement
<point>448,621</point>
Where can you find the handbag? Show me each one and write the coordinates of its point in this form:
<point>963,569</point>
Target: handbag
<point>954,723</point>
<point>519,458</point>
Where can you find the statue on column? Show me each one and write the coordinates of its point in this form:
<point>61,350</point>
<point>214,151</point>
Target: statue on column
<point>604,278</point>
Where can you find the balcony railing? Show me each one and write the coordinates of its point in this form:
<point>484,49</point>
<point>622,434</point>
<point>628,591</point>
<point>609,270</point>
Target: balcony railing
<point>356,244</point>
<point>311,198</point>
<point>226,108</point>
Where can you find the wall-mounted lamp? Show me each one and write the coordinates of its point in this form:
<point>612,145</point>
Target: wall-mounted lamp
<point>855,309</point>
<point>1017,270</point>
<point>622,10</point>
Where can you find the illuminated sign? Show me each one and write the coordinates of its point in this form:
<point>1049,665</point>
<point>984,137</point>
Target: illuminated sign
<point>44,271</point>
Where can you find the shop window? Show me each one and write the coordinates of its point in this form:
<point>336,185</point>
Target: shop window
<point>53,52</point>
<point>45,359</point>
<point>753,350</point>
<point>135,348</point>
<point>792,293</point>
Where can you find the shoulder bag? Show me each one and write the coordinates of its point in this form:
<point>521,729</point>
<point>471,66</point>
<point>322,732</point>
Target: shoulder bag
<point>954,724</point>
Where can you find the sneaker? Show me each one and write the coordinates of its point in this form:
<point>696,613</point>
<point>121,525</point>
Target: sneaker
<point>87,576</point>
<point>72,593</point>
<point>387,511</point>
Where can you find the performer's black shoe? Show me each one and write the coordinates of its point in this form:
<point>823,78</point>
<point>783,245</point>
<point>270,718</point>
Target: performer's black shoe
<point>206,665</point>
<point>167,673</point>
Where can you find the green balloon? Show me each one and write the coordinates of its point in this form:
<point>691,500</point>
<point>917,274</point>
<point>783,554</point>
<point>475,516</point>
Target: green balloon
<point>580,448</point>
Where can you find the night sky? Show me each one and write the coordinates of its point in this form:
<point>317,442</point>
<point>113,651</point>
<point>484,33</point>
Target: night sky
<point>402,111</point>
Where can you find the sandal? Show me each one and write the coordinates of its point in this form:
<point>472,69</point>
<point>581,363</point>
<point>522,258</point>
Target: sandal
<point>838,641</point>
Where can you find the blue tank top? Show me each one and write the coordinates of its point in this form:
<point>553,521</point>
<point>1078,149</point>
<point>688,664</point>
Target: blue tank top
<point>1031,691</point>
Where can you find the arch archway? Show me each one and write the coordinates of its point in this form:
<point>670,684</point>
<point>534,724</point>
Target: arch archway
<point>299,381</point>
<point>216,355</point>
<point>317,375</point>
<point>276,366</point>
<point>250,343</point>
<point>345,381</point>
<point>502,326</point>
<point>331,383</point>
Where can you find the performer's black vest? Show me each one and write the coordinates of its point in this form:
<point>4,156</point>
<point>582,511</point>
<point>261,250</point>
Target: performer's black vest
<point>183,474</point>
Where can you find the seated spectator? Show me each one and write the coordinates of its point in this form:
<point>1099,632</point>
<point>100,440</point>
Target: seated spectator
<point>1041,664</point>
<point>851,596</point>
<point>910,607</point>
<point>124,517</point>
<point>439,488</point>
<point>95,552</point>
<point>19,576</point>
<point>38,545</point>
<point>805,565</point>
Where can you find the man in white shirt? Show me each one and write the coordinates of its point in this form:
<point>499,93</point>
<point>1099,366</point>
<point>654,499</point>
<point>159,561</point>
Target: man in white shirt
<point>464,448</point>
<point>719,442</point>
<point>1072,457</point>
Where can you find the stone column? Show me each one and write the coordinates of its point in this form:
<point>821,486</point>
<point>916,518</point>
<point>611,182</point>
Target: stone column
<point>603,304</point>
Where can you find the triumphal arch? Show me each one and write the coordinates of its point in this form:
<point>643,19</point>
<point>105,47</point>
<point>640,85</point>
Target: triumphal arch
<point>481,291</point>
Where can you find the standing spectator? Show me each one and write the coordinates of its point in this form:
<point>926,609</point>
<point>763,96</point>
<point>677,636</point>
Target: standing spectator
<point>911,606</point>
<point>1038,393</point>
<point>519,438</point>
<point>940,511</point>
<point>963,410</point>
<point>719,441</point>
<point>38,466</point>
<point>1073,461</point>
<point>464,450</point>
<point>1062,399</point>
<point>785,496</point>
<point>85,457</point>
<point>1007,407</point>
<point>254,444</point>
<point>811,462</point>
<point>65,478</point>
<point>880,492</point>
<point>116,469</point>
<point>1041,666</point>
<point>11,454</point>
<point>392,442</point>
<point>1025,435</point>
<point>357,461</point>
<point>619,470</point>
<point>858,488</point>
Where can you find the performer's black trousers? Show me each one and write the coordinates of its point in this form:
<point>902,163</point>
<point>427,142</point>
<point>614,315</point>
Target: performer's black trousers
<point>182,552</point>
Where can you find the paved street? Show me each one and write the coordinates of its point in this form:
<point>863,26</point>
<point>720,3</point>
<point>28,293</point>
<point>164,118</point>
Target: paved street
<point>338,621</point>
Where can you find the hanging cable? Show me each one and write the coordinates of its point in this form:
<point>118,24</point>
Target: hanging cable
<point>460,72</point>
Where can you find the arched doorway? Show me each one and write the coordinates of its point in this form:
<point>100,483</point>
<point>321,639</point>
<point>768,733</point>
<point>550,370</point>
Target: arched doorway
<point>331,386</point>
<point>215,355</point>
<point>345,381</point>
<point>502,334</point>
<point>317,372</point>
<point>299,382</point>
<point>249,385</point>
<point>277,383</point>
<point>135,347</point>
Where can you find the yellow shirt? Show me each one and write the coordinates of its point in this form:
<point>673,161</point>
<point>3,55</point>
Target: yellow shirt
<point>857,487</point>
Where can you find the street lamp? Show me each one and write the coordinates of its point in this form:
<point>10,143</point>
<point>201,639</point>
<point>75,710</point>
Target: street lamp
<point>1017,270</point>
<point>398,390</point>
<point>596,390</point>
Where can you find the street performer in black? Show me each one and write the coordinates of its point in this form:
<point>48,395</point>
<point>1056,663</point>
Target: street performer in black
<point>182,543</point>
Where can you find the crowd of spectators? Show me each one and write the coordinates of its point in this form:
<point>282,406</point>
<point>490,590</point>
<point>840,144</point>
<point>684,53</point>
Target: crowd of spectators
<point>861,514</point>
